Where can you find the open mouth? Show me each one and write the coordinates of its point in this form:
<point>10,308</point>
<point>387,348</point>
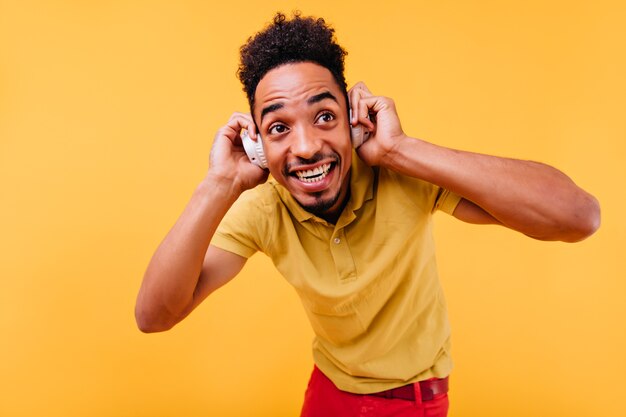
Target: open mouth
<point>313,175</point>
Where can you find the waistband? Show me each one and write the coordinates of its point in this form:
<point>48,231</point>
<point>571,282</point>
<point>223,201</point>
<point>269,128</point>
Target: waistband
<point>428,390</point>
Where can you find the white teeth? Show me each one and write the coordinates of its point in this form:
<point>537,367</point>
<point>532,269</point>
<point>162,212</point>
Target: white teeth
<point>313,175</point>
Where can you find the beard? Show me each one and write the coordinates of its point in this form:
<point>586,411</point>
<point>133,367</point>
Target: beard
<point>321,205</point>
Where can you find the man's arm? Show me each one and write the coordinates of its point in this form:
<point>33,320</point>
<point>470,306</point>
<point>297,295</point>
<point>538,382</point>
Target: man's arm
<point>532,198</point>
<point>185,269</point>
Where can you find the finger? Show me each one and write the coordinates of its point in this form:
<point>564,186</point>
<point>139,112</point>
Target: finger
<point>356,93</point>
<point>360,86</point>
<point>366,106</point>
<point>239,121</point>
<point>251,127</point>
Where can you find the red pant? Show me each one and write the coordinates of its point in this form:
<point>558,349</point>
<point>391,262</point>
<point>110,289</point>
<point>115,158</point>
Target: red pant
<point>324,399</point>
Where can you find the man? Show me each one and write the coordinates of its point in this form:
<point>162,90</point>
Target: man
<point>351,231</point>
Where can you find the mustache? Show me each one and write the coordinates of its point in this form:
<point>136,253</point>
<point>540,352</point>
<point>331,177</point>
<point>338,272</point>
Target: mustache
<point>290,166</point>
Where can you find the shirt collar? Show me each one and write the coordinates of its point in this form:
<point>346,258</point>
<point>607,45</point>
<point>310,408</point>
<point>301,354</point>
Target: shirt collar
<point>361,190</point>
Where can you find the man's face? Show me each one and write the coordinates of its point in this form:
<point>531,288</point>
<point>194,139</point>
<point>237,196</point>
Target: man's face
<point>302,117</point>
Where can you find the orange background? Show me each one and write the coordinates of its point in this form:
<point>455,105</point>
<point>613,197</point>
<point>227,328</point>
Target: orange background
<point>107,112</point>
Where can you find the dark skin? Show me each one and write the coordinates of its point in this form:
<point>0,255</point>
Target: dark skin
<point>306,130</point>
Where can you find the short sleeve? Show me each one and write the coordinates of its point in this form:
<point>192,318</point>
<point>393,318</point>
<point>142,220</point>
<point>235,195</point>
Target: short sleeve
<point>244,228</point>
<point>427,197</point>
<point>446,201</point>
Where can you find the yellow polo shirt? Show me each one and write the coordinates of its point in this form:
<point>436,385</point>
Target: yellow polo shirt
<point>369,284</point>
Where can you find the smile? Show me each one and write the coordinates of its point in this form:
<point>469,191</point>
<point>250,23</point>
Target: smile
<point>313,175</point>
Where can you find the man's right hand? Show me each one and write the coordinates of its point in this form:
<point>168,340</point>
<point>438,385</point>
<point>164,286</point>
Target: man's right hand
<point>228,160</point>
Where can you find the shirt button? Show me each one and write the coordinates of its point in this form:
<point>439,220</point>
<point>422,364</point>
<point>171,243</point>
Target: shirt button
<point>337,240</point>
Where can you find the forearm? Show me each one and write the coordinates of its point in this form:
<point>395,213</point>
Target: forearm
<point>172,275</point>
<point>526,196</point>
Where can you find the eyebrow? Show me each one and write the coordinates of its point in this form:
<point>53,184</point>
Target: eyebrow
<point>271,108</point>
<point>322,96</point>
<point>311,100</point>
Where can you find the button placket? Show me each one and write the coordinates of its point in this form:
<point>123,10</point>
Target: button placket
<point>344,264</point>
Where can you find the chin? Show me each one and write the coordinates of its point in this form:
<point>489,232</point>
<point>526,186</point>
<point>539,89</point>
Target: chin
<point>320,206</point>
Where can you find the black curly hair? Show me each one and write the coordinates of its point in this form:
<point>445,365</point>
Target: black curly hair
<point>301,39</point>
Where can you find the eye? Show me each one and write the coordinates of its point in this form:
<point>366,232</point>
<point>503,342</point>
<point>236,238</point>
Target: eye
<point>277,129</point>
<point>325,117</point>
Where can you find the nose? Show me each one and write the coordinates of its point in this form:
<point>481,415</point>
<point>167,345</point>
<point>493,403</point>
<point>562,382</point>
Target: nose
<point>305,143</point>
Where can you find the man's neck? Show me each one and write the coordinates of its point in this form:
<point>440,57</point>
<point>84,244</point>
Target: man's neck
<point>333,216</point>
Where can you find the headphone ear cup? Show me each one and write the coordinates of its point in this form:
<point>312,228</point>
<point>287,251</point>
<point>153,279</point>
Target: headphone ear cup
<point>254,150</point>
<point>358,133</point>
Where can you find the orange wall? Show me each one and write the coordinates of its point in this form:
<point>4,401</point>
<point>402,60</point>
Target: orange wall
<point>107,112</point>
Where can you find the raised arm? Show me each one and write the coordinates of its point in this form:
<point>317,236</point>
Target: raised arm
<point>185,269</point>
<point>530,197</point>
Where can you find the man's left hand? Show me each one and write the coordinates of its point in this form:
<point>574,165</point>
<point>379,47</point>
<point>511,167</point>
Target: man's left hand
<point>378,115</point>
